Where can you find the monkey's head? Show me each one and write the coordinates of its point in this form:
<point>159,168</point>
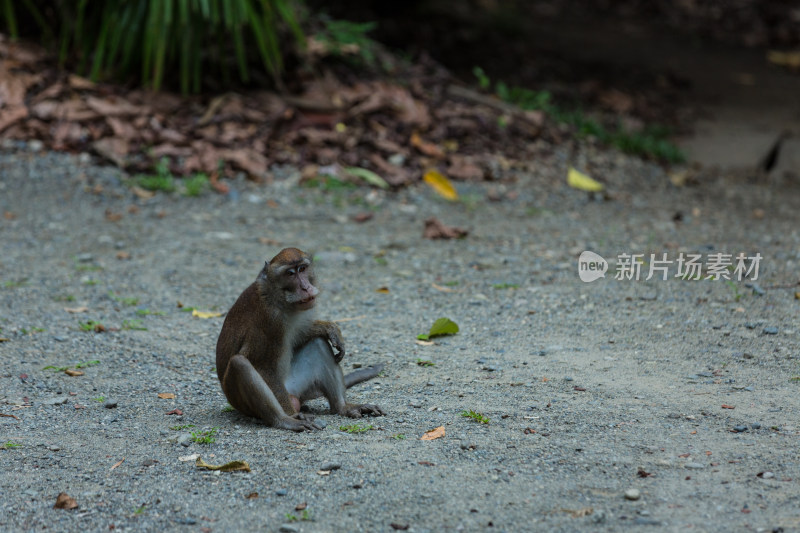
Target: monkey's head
<point>288,280</point>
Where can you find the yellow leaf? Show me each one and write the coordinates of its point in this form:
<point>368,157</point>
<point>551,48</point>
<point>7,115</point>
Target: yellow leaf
<point>166,395</point>
<point>436,433</point>
<point>205,314</point>
<point>440,184</point>
<point>227,467</point>
<point>382,290</point>
<point>578,180</point>
<point>784,59</point>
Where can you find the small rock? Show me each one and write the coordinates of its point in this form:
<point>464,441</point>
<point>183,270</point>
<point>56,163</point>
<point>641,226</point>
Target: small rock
<point>60,338</point>
<point>320,423</point>
<point>632,494</point>
<point>288,528</point>
<point>186,521</point>
<point>185,439</point>
<point>110,404</point>
<point>85,258</point>
<point>770,330</point>
<point>35,145</point>
<point>330,466</point>
<point>415,403</point>
<point>755,425</point>
<point>739,429</point>
<point>56,401</point>
<point>641,521</point>
<point>54,447</point>
<point>281,492</point>
<point>767,475</point>
<point>694,466</point>
<point>567,378</point>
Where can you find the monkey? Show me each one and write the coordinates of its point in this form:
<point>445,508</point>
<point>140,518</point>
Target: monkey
<point>273,355</point>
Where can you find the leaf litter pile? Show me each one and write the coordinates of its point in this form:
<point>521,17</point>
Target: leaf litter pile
<point>398,128</point>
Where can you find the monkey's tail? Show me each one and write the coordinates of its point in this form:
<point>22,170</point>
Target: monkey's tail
<point>363,374</point>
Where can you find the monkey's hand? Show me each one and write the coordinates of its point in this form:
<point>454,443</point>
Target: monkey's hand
<point>298,422</point>
<point>337,341</point>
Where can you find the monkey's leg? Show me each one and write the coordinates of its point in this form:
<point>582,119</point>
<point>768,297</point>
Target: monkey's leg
<point>314,373</point>
<point>247,391</point>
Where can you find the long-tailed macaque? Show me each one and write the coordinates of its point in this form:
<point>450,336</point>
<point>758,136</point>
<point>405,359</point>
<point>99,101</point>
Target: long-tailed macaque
<point>272,355</point>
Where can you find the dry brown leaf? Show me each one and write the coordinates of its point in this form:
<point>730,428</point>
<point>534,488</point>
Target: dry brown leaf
<point>114,149</point>
<point>80,309</point>
<point>301,506</point>
<point>442,288</point>
<point>464,167</point>
<point>73,373</point>
<point>232,466</point>
<point>114,106</point>
<point>425,147</point>
<point>252,496</point>
<point>435,229</point>
<point>115,465</point>
<point>144,194</point>
<point>382,290</point>
<point>11,115</point>
<point>436,433</point>
<point>64,501</point>
<point>166,395</point>
<point>77,82</point>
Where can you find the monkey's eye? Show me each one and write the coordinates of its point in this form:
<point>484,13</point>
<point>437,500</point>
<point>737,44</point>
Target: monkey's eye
<point>301,268</point>
<point>289,273</point>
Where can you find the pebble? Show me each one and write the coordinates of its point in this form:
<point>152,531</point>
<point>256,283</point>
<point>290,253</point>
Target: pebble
<point>186,521</point>
<point>767,475</point>
<point>739,429</point>
<point>288,528</point>
<point>185,439</point>
<point>85,258</point>
<point>632,494</point>
<point>330,466</point>
<point>694,466</point>
<point>770,330</point>
<point>110,404</point>
<point>641,521</point>
<point>567,378</point>
<point>320,423</point>
<point>60,338</point>
<point>54,447</point>
<point>415,403</point>
<point>281,492</point>
<point>755,425</point>
<point>35,145</point>
<point>56,401</point>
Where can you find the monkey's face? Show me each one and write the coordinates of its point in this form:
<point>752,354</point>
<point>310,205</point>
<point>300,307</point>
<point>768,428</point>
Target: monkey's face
<point>291,271</point>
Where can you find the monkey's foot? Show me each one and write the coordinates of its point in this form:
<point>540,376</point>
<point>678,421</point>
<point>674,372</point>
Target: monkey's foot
<point>299,422</point>
<point>365,409</point>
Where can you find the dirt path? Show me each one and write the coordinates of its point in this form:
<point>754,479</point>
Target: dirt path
<point>681,391</point>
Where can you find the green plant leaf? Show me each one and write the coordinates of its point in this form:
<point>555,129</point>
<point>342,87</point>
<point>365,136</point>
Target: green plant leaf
<point>368,176</point>
<point>443,326</point>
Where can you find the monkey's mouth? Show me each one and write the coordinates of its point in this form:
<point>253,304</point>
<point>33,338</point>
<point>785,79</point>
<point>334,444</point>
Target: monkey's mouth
<point>308,303</point>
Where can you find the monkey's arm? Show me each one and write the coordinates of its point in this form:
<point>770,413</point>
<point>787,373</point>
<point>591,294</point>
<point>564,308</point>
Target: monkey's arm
<point>329,331</point>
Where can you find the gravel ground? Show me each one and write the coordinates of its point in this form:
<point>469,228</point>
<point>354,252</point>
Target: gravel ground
<point>657,405</point>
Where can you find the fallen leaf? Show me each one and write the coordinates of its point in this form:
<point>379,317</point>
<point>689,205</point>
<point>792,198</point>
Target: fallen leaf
<point>175,412</point>
<point>252,496</point>
<point>424,343</point>
<point>442,326</point>
<point>368,176</point>
<point>187,458</point>
<point>579,180</point>
<point>464,167</point>
<point>323,472</point>
<point>81,309</point>
<point>399,527</point>
<point>528,431</point>
<point>382,290</point>
<point>363,217</point>
<point>426,463</point>
<point>579,389</point>
<point>123,255</point>
<point>436,433</point>
<point>9,215</point>
<point>4,339</point>
<point>442,288</point>
<point>205,314</point>
<point>64,501</point>
<point>440,184</point>
<point>301,506</point>
<point>586,511</point>
<point>117,464</point>
<point>789,60</point>
<point>144,194</point>
<point>726,406</point>
<point>643,473</point>
<point>425,147</point>
<point>232,466</point>
<point>435,229</point>
<point>166,395</point>
<point>73,373</point>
